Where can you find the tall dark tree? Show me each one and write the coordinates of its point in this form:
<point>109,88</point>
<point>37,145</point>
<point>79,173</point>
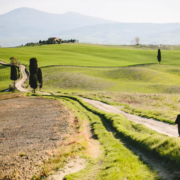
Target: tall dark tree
<point>39,76</point>
<point>33,69</point>
<point>34,82</point>
<point>159,55</point>
<point>14,76</point>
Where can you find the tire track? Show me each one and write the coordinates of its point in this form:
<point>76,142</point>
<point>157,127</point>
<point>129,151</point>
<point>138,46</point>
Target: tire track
<point>161,127</point>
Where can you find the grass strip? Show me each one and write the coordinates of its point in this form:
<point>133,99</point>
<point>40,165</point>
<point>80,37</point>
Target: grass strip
<point>167,148</point>
<point>118,161</point>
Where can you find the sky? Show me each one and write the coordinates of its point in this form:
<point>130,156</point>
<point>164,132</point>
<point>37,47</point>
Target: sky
<point>153,11</point>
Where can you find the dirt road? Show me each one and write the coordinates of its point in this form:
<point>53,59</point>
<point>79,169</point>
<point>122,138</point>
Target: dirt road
<point>22,80</point>
<point>161,127</point>
<point>3,63</point>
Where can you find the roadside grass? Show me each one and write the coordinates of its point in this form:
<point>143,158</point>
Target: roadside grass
<point>63,155</point>
<point>88,55</point>
<point>162,146</point>
<point>74,145</point>
<point>117,162</point>
<point>4,77</point>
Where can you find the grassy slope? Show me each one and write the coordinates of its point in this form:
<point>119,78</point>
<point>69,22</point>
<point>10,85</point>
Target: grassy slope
<point>4,77</point>
<point>150,79</point>
<point>144,79</point>
<point>117,161</point>
<point>117,157</point>
<point>87,55</point>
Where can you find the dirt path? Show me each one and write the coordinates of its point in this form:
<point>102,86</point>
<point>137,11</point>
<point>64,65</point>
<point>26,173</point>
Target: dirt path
<point>22,80</point>
<point>161,127</point>
<point>3,63</point>
<point>74,165</point>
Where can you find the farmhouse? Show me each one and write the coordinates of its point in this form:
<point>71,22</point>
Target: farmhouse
<point>54,40</point>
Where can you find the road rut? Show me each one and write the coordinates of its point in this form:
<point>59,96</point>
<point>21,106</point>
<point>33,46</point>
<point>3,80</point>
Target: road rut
<point>161,127</point>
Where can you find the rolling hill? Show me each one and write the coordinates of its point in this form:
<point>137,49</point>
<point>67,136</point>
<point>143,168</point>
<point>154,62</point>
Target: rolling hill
<point>24,25</point>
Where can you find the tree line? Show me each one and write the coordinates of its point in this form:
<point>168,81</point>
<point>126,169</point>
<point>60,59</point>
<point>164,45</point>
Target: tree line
<point>35,77</point>
<point>49,41</point>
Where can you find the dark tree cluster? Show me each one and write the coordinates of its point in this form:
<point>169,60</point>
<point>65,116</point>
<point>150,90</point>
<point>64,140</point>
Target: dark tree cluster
<point>35,77</point>
<point>60,41</point>
<point>15,72</point>
<point>49,42</point>
<point>69,41</point>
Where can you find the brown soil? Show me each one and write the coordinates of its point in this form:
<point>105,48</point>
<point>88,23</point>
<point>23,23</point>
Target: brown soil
<point>30,131</point>
<point>73,166</point>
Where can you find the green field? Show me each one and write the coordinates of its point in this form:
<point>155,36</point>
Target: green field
<point>144,79</point>
<point>108,71</point>
<point>4,77</point>
<point>130,70</point>
<point>88,55</point>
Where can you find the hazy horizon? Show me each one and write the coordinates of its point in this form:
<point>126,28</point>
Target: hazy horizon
<point>139,11</point>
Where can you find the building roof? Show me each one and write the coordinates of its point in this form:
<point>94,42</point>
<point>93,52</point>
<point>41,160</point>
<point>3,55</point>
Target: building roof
<point>53,38</point>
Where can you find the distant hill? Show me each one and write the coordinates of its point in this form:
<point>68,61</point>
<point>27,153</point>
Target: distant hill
<point>24,25</point>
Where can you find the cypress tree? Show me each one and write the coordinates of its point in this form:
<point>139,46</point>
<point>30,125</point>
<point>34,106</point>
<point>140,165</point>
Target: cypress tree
<point>159,55</point>
<point>34,82</point>
<point>33,69</point>
<point>14,74</point>
<point>39,76</point>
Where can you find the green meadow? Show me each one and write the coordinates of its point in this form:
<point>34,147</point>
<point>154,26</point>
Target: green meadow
<point>144,78</point>
<point>4,77</point>
<point>88,55</point>
<point>100,71</point>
